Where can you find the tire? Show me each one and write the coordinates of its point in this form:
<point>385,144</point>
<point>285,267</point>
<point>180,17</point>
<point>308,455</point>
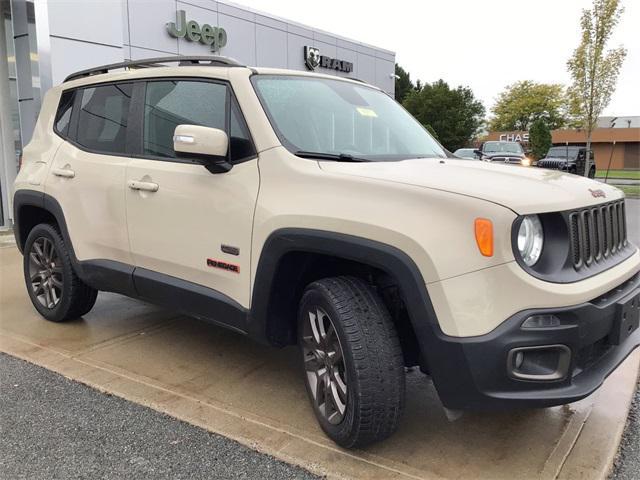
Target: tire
<point>56,292</point>
<point>356,345</point>
<point>592,172</point>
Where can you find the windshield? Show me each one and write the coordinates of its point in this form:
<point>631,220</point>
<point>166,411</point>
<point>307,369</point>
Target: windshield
<point>334,117</point>
<point>563,152</point>
<point>508,147</point>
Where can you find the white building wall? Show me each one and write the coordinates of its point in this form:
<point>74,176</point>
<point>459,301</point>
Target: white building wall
<point>86,33</point>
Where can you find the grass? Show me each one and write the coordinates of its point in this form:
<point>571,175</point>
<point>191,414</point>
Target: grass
<point>627,174</point>
<point>632,191</point>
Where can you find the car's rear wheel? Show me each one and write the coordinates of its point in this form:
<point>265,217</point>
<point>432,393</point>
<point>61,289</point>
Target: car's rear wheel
<point>53,286</point>
<point>353,363</point>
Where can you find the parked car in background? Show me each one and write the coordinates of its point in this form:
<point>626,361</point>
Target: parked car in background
<point>568,158</point>
<point>505,152</point>
<point>468,153</point>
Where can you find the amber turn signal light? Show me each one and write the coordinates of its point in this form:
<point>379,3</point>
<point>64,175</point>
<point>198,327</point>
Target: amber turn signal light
<point>484,236</point>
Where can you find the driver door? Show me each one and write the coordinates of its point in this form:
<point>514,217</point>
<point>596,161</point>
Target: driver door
<point>189,222</point>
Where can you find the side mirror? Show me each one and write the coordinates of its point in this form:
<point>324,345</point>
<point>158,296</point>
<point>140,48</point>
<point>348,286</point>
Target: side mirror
<point>478,153</point>
<point>207,146</point>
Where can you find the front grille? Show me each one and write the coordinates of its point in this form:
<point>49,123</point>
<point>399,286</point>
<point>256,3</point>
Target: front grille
<point>597,233</point>
<point>553,164</point>
<point>506,159</point>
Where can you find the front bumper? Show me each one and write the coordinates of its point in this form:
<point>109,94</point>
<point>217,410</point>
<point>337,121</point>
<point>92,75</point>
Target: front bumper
<point>476,373</point>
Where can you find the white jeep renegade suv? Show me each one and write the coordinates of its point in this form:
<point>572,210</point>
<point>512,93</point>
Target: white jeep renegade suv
<point>302,208</point>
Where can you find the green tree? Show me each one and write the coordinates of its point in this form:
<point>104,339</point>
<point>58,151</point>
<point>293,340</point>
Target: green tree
<point>403,83</point>
<point>454,114</point>
<point>539,138</point>
<point>524,102</point>
<point>593,69</point>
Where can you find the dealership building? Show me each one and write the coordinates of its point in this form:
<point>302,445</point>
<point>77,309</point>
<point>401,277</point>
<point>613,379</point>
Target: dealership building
<point>43,41</point>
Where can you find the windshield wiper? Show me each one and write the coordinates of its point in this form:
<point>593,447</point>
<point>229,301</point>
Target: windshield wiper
<point>336,157</point>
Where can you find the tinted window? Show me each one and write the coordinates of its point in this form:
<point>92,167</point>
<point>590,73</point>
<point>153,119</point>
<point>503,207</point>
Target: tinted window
<point>173,103</point>
<point>103,118</point>
<point>63,115</point>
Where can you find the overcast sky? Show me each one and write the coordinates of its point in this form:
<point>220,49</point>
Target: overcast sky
<point>485,45</point>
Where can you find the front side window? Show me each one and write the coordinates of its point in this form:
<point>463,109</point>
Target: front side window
<point>335,117</point>
<point>172,103</point>
<point>182,102</point>
<point>103,118</point>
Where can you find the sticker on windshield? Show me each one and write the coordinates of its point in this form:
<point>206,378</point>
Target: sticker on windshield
<point>366,112</point>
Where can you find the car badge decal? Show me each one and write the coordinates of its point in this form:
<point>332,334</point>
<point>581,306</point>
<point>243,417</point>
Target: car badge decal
<point>597,193</point>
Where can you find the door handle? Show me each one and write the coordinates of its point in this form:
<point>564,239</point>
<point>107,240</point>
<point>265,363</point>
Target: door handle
<point>63,172</point>
<point>144,186</point>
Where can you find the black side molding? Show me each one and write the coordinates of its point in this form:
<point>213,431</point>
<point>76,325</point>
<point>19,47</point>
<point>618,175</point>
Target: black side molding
<point>190,298</point>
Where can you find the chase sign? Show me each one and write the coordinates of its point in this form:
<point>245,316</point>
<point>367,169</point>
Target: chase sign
<point>216,37</point>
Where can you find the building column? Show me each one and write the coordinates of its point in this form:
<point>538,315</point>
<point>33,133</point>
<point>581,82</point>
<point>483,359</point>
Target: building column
<point>8,167</point>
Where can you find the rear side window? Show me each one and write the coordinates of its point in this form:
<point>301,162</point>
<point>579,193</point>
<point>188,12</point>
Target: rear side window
<point>103,118</point>
<point>63,115</point>
<point>184,102</point>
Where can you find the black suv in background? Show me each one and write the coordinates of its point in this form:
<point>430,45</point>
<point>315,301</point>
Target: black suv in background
<point>568,158</point>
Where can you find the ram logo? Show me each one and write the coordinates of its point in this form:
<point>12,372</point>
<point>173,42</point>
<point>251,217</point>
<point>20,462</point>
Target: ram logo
<point>311,57</point>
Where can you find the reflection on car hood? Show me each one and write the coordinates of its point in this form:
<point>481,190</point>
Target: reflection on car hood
<point>522,189</point>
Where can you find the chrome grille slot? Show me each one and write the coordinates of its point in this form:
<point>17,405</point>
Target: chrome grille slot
<point>597,233</point>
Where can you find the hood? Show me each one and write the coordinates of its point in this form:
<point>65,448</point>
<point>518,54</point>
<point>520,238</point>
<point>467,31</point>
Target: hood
<point>521,189</point>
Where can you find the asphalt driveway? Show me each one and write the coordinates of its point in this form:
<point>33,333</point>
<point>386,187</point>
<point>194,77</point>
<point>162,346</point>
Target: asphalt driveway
<point>52,427</point>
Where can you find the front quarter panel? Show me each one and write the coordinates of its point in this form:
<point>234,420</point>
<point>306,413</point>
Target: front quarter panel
<point>435,228</point>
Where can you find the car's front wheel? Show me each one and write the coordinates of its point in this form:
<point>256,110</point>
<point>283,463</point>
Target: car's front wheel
<point>54,288</point>
<point>352,360</point>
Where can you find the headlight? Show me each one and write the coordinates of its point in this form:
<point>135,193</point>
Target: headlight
<point>526,161</point>
<point>530,239</point>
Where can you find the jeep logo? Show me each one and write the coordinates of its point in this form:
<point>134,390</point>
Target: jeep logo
<point>598,193</point>
<point>313,59</point>
<point>216,37</point>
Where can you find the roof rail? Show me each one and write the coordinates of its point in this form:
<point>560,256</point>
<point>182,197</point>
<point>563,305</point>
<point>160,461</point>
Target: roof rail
<point>216,61</point>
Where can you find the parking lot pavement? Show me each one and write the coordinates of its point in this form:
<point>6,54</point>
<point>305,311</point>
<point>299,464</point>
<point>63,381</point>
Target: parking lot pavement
<point>627,464</point>
<point>53,427</point>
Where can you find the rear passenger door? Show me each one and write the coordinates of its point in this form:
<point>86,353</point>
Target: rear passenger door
<point>191,228</point>
<point>87,176</point>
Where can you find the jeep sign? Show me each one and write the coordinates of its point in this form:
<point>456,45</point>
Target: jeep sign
<point>313,59</point>
<point>216,37</point>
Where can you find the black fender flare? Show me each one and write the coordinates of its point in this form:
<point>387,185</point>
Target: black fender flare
<point>384,257</point>
<point>97,273</point>
<point>444,355</point>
